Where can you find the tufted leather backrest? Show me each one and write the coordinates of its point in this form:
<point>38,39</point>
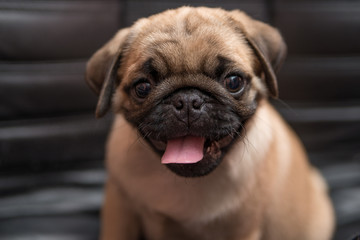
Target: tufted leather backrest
<point>45,105</point>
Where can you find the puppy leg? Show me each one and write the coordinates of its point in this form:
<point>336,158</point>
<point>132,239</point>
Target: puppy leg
<point>118,221</point>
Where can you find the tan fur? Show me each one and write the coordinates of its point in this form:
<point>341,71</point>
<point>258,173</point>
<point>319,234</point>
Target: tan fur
<point>265,182</point>
<point>264,189</point>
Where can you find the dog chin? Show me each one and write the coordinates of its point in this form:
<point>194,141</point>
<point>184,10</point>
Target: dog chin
<point>213,152</point>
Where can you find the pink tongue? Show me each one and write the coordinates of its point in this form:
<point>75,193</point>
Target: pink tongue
<point>188,149</point>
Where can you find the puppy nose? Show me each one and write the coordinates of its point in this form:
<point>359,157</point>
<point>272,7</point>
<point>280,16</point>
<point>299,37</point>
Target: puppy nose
<point>188,104</point>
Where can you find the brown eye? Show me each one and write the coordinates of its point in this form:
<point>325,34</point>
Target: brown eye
<point>234,83</point>
<point>142,88</point>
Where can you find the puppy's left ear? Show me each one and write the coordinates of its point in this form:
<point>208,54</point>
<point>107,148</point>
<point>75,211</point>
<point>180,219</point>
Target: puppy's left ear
<point>101,70</point>
<point>267,44</point>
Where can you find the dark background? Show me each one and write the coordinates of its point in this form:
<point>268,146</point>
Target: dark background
<point>51,147</point>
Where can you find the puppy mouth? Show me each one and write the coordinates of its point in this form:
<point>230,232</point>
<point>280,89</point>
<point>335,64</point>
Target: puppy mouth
<point>192,156</point>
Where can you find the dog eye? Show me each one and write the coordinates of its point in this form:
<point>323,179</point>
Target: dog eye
<point>143,88</point>
<point>234,83</point>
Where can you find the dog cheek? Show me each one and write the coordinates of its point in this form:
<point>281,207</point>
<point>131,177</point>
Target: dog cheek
<point>120,101</point>
<point>123,104</point>
<point>257,88</point>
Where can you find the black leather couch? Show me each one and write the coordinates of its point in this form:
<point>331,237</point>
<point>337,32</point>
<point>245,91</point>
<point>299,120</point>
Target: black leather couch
<point>51,146</point>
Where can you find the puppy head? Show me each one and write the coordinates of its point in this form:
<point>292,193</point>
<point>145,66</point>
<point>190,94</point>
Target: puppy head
<point>188,79</point>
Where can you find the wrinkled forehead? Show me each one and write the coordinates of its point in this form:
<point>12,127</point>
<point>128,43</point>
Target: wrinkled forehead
<point>189,43</point>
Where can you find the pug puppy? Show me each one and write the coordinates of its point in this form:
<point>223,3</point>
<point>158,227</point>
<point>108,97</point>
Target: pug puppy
<point>196,151</point>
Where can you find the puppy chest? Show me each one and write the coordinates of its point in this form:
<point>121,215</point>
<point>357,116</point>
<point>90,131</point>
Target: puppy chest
<point>160,227</point>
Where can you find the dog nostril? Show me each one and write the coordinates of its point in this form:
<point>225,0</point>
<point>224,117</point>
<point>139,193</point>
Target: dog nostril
<point>196,104</point>
<point>179,104</point>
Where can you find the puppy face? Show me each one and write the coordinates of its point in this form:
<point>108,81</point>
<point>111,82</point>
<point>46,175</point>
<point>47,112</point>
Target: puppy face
<point>188,80</point>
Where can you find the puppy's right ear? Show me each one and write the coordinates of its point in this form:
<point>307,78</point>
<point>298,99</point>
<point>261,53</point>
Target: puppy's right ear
<point>101,70</point>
